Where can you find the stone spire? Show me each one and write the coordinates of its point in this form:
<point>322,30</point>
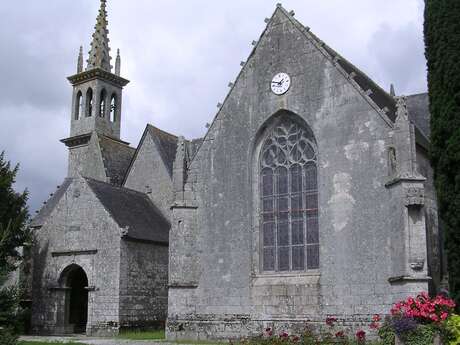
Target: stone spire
<point>118,63</point>
<point>99,55</point>
<point>80,61</point>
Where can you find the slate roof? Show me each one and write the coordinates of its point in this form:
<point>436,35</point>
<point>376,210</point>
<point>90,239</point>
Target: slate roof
<point>133,211</point>
<point>419,112</point>
<point>51,203</point>
<point>167,145</point>
<point>117,156</point>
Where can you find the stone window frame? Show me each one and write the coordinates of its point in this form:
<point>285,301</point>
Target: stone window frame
<point>263,133</point>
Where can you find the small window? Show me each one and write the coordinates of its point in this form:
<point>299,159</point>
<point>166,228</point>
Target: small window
<point>78,105</point>
<point>89,102</point>
<point>113,108</point>
<point>289,200</point>
<point>102,104</point>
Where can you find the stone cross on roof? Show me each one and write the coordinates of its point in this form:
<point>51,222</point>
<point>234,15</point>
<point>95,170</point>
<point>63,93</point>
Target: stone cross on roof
<point>99,54</point>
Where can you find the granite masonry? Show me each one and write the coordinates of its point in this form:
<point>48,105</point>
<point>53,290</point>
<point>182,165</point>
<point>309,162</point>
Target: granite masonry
<point>311,195</point>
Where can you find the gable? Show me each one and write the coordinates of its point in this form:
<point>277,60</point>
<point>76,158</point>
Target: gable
<point>116,156</point>
<point>50,204</point>
<point>132,211</point>
<point>167,146</point>
<point>319,76</point>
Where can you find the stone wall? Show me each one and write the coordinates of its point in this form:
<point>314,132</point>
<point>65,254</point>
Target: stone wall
<point>86,160</point>
<point>143,285</point>
<point>148,174</point>
<point>360,218</point>
<point>79,231</point>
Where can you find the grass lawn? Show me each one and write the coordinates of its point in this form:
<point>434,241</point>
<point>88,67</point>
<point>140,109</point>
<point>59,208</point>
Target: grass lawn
<point>46,343</point>
<point>143,335</point>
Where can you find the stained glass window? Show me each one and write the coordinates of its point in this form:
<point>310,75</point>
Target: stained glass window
<point>289,199</point>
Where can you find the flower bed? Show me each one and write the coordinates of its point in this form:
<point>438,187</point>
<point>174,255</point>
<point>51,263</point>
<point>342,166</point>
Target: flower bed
<point>419,320</point>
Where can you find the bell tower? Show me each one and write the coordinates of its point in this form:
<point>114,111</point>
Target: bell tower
<point>97,92</point>
<point>96,103</point>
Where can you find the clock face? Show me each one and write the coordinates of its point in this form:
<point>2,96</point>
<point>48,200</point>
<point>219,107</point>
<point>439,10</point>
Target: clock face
<point>280,83</point>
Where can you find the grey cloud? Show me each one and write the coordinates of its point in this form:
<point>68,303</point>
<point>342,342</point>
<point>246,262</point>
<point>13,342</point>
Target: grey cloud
<point>179,55</point>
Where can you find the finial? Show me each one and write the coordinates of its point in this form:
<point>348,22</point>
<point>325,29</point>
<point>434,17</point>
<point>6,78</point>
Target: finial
<point>80,60</point>
<point>401,109</point>
<point>118,63</point>
<point>99,55</point>
<point>392,90</point>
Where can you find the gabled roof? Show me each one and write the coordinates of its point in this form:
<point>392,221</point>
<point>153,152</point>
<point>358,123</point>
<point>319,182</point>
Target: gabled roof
<point>167,145</point>
<point>133,211</point>
<point>379,96</point>
<point>381,100</point>
<point>47,208</point>
<point>117,156</point>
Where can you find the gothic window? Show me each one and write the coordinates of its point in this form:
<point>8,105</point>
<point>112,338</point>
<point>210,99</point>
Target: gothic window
<point>78,105</point>
<point>89,102</point>
<point>113,107</point>
<point>102,104</point>
<point>289,200</point>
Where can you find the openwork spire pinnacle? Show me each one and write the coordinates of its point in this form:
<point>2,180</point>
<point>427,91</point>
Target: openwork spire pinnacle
<point>99,55</point>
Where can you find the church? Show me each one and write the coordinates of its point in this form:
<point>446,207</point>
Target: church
<point>311,195</point>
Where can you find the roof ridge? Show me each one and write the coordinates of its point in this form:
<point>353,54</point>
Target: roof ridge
<point>335,58</point>
<point>162,131</point>
<point>118,141</point>
<point>116,187</point>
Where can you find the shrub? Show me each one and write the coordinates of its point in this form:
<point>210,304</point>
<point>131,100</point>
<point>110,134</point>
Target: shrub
<point>453,329</point>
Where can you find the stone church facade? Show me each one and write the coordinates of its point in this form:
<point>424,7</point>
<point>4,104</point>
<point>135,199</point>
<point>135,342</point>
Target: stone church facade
<point>311,195</point>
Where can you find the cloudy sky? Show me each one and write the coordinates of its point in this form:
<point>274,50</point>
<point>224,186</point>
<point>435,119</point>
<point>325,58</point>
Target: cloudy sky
<point>179,55</point>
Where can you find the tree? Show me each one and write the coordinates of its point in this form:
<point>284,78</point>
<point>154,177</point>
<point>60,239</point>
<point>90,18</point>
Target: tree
<point>442,50</point>
<point>13,234</point>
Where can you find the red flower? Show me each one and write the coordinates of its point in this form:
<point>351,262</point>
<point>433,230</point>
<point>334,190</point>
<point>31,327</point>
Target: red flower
<point>330,320</point>
<point>424,308</point>
<point>361,335</point>
<point>340,334</point>
<point>284,335</point>
<point>376,318</point>
<point>295,339</point>
<point>374,325</point>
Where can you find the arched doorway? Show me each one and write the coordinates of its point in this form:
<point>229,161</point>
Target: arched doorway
<point>76,305</point>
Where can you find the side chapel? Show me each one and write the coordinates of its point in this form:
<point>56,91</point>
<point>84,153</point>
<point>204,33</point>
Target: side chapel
<point>311,195</point>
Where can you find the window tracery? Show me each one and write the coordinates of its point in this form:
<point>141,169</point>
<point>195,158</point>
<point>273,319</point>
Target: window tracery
<point>289,199</point>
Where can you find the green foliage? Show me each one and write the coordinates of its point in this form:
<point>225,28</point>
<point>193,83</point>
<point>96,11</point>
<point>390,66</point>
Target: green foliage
<point>46,343</point>
<point>387,334</point>
<point>453,329</point>
<point>8,337</point>
<point>423,335</point>
<point>442,42</point>
<point>13,217</point>
<point>13,234</point>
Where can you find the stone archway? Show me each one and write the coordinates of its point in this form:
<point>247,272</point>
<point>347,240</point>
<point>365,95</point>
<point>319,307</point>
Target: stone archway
<point>75,281</point>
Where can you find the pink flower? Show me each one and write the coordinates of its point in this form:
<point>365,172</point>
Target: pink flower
<point>340,334</point>
<point>374,325</point>
<point>284,335</point>
<point>361,335</point>
<point>330,320</point>
<point>376,318</point>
